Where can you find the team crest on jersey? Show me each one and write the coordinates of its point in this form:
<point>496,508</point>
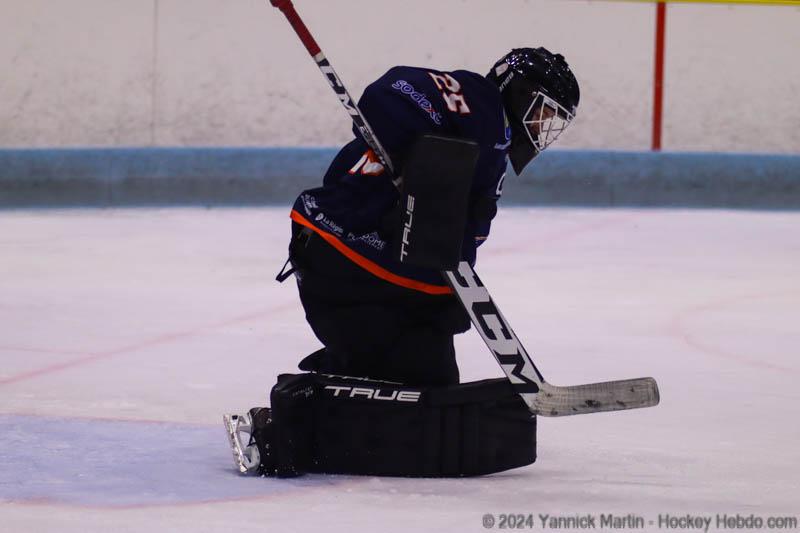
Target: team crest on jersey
<point>422,101</point>
<point>507,133</point>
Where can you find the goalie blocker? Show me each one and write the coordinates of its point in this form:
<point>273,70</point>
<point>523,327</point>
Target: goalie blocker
<point>434,199</point>
<point>339,425</point>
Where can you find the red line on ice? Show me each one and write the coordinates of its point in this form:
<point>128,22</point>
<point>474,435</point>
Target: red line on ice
<point>326,483</point>
<point>38,350</point>
<point>680,328</point>
<point>91,357</point>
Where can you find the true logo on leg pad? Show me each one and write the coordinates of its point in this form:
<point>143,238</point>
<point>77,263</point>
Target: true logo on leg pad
<point>373,394</point>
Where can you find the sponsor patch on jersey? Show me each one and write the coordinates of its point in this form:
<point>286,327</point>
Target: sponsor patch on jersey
<point>329,225</point>
<point>371,239</point>
<point>309,203</point>
<point>420,98</point>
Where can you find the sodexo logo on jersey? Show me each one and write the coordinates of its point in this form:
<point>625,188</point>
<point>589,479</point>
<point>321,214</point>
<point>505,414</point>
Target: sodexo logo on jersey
<point>329,224</point>
<point>406,88</point>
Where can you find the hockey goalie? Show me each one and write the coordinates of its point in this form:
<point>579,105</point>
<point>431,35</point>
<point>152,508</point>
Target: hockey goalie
<point>368,248</point>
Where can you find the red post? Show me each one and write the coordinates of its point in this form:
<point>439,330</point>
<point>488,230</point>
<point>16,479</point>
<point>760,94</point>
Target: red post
<point>658,78</point>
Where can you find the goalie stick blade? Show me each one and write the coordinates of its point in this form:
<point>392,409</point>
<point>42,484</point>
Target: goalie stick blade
<point>596,397</point>
<point>541,397</point>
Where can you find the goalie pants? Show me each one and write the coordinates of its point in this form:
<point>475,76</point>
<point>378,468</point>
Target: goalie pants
<point>370,327</point>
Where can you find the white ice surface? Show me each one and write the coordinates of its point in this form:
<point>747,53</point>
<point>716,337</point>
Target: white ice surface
<point>124,335</point>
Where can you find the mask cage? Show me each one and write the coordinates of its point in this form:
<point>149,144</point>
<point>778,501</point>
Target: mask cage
<point>544,120</point>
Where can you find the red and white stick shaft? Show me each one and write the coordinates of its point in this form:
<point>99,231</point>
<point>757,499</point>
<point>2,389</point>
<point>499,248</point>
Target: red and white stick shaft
<point>336,84</point>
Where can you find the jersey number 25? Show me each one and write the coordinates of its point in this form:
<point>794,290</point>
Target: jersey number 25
<point>451,92</point>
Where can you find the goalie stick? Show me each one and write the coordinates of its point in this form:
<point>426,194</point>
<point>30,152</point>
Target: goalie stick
<point>541,397</point>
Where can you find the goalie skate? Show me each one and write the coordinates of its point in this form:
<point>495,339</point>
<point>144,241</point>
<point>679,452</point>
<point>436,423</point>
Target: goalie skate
<point>239,429</point>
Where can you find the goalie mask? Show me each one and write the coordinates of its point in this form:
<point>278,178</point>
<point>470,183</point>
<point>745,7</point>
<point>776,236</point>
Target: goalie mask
<point>540,96</point>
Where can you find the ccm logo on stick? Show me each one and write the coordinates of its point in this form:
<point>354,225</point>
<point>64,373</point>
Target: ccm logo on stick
<point>407,226</point>
<point>336,85</point>
<point>374,394</point>
<point>495,331</point>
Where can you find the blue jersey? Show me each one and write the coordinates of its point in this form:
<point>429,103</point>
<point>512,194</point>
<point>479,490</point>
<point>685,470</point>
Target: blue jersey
<point>357,192</point>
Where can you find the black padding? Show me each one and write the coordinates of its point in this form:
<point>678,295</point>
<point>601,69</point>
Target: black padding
<point>292,435</point>
<point>437,177</point>
<point>345,425</point>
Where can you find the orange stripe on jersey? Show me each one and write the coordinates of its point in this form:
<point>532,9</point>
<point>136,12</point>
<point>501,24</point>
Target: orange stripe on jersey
<point>370,266</point>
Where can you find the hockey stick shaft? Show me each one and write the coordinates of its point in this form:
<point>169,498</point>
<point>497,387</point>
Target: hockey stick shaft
<point>287,8</point>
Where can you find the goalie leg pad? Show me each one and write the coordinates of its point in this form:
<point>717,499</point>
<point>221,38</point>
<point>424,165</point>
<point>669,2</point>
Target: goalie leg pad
<point>339,425</point>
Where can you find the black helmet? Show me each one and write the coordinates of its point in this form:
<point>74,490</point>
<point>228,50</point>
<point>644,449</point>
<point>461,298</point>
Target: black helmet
<point>540,96</point>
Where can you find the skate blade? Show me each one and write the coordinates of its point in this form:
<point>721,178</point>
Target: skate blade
<point>246,458</point>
